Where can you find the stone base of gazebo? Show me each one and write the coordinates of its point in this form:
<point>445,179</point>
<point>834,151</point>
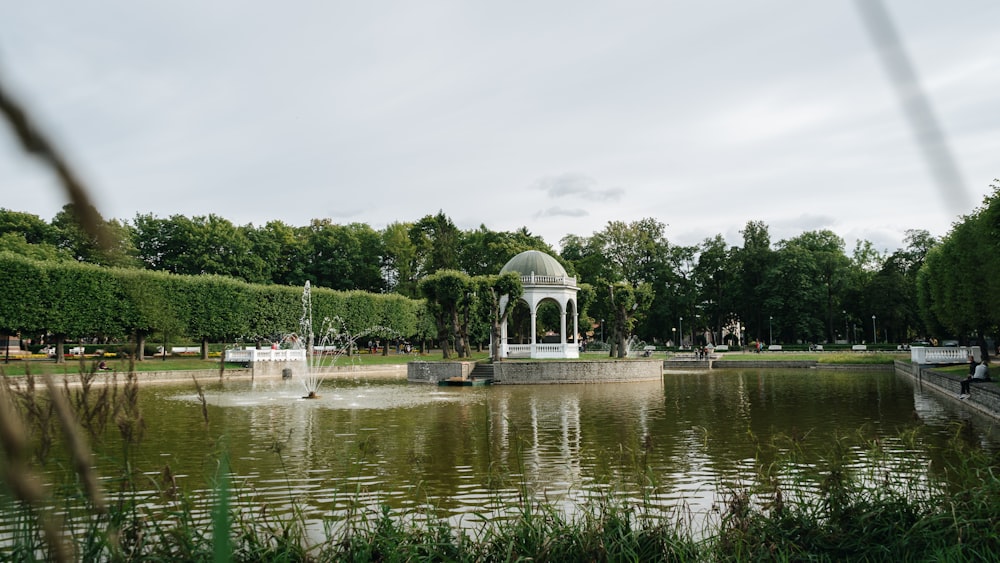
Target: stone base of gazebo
<point>519,372</point>
<point>591,371</point>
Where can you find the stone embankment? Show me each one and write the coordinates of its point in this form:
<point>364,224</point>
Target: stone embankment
<point>717,363</point>
<point>985,397</point>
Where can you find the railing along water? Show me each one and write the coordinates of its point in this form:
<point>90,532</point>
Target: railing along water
<point>250,355</point>
<point>943,354</point>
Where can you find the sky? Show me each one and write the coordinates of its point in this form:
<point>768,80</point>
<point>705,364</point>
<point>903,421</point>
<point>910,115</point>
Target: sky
<point>558,116</point>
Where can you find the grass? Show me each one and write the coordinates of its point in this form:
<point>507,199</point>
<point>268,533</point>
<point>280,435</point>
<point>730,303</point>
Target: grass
<point>176,363</point>
<point>821,357</point>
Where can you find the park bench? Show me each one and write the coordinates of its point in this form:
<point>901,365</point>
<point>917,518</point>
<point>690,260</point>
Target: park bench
<point>722,348</point>
<point>185,350</point>
<point>859,348</point>
<point>774,348</point>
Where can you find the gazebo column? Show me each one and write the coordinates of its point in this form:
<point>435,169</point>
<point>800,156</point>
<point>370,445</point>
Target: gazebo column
<point>562,329</point>
<point>534,317</point>
<point>502,352</point>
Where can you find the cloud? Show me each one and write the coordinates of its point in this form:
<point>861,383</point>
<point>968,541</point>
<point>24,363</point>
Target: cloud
<point>577,185</point>
<point>561,212</point>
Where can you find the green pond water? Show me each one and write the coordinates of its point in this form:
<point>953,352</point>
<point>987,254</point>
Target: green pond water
<point>467,451</point>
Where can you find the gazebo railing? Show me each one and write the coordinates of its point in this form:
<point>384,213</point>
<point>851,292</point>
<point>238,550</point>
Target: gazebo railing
<point>533,279</point>
<point>542,351</point>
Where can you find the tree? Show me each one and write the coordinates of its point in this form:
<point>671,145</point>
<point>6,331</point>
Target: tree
<point>150,303</point>
<point>24,283</point>
<point>830,266</point>
<point>753,261</point>
<point>106,243</point>
<point>344,257</point>
<point>484,252</point>
<point>437,241</point>
<point>282,252</point>
<point>713,275</point>
<point>584,256</point>
<point>217,309</point>
<point>498,293</point>
<point>445,291</point>
<point>626,302</point>
<point>634,250</point>
<point>399,262</point>
<point>30,227</point>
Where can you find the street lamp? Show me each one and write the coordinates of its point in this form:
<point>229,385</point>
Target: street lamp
<point>673,334</point>
<point>770,335</point>
<point>682,332</point>
<point>846,334</point>
<point>602,331</point>
<point>874,334</point>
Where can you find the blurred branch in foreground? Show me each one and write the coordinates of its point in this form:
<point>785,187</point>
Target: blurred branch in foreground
<point>916,106</point>
<point>35,143</point>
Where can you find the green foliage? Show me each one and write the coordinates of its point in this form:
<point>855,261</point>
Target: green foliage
<point>445,291</point>
<point>23,284</point>
<point>82,300</point>
<point>218,308</point>
<point>958,279</point>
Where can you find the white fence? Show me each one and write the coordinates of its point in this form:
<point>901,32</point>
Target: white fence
<point>943,355</point>
<point>541,351</point>
<point>251,355</point>
<point>532,279</point>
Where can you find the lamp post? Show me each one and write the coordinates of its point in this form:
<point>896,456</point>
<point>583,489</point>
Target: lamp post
<point>846,334</point>
<point>602,331</point>
<point>874,333</point>
<point>770,334</point>
<point>673,335</point>
<point>682,332</point>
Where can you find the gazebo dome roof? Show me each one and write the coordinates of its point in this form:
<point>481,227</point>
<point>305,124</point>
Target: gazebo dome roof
<point>534,262</point>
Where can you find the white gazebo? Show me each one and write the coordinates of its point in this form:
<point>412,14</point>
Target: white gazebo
<point>543,279</point>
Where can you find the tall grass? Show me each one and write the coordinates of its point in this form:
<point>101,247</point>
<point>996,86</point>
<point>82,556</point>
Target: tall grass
<point>860,502</point>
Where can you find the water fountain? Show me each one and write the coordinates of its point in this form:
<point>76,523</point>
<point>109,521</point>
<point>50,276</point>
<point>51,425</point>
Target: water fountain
<point>634,347</point>
<point>324,349</point>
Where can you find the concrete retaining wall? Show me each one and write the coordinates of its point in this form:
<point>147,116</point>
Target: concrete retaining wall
<point>523,373</point>
<point>166,376</point>
<point>767,364</point>
<point>985,397</point>
<point>432,372</point>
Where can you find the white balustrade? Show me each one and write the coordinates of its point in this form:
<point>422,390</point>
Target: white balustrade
<point>548,280</point>
<point>943,354</point>
<point>251,355</point>
<point>548,351</point>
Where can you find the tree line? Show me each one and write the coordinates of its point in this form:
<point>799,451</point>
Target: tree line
<point>69,300</point>
<point>805,289</point>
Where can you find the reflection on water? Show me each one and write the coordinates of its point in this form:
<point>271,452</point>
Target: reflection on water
<point>466,451</point>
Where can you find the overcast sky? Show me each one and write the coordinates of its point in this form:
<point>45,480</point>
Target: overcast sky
<point>558,116</point>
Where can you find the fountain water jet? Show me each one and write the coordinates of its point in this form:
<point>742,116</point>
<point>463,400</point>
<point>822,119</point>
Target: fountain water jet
<point>323,350</point>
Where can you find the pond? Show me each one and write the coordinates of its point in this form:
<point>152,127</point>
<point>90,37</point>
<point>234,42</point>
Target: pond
<point>467,451</point>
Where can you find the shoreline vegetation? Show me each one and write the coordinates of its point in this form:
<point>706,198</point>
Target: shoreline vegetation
<point>834,510</point>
